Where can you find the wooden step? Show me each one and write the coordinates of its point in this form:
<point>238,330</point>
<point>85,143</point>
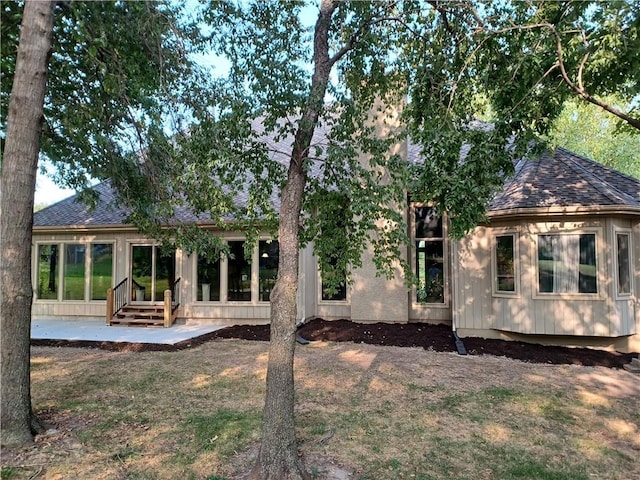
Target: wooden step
<point>143,316</point>
<point>137,322</point>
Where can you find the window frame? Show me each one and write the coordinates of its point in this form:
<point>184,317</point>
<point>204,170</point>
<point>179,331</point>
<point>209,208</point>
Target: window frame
<point>60,274</point>
<point>64,265</point>
<point>90,267</point>
<point>515,235</point>
<point>36,271</point>
<point>600,284</point>
<point>616,270</point>
<point>254,263</point>
<point>322,301</point>
<point>221,276</point>
<point>446,269</point>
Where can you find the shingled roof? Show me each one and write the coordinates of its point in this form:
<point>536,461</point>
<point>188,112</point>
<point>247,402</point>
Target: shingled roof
<point>554,181</point>
<point>72,211</point>
<point>564,179</point>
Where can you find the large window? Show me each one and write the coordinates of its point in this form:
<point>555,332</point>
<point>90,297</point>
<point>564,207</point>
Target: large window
<point>429,242</point>
<point>47,280</point>
<point>208,280</point>
<point>567,263</point>
<point>268,252</point>
<point>238,274</point>
<point>101,270</point>
<point>78,275</point>
<point>505,264</point>
<point>623,263</point>
<point>74,269</point>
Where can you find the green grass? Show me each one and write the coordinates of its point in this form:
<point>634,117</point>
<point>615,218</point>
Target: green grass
<point>224,430</point>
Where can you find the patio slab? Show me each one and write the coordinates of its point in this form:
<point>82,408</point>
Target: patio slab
<point>98,331</point>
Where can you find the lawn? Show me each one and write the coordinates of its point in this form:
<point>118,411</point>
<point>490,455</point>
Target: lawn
<point>375,412</point>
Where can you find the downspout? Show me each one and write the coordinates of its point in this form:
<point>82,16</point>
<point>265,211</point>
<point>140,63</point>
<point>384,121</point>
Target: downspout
<point>454,306</point>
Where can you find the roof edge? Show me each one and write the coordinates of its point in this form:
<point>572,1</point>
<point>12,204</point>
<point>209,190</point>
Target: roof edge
<point>565,210</point>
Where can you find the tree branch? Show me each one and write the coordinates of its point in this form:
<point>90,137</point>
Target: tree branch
<point>579,89</point>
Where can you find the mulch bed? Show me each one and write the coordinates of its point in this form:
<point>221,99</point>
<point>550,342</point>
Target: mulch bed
<point>430,337</point>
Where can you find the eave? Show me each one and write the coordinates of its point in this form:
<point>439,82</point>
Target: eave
<point>554,211</point>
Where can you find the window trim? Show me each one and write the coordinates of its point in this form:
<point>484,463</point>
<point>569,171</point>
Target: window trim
<point>515,235</point>
<point>600,284</point>
<point>446,304</point>
<point>616,267</point>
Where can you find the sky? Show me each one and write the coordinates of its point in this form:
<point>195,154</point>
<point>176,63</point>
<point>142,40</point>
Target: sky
<point>48,192</point>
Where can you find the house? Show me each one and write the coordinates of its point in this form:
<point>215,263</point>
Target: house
<point>557,263</point>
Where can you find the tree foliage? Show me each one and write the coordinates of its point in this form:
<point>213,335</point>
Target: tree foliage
<point>113,69</point>
<point>587,130</point>
<point>116,70</point>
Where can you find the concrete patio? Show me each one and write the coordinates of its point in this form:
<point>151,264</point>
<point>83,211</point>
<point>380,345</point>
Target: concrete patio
<point>97,331</point>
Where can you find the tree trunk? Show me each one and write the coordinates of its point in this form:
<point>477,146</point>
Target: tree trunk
<point>19,167</point>
<point>278,458</point>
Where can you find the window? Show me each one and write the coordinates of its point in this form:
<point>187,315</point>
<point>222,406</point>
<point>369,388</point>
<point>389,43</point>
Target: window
<point>47,282</point>
<point>208,280</point>
<point>101,270</point>
<point>567,263</point>
<point>238,274</point>
<point>505,268</point>
<point>74,269</point>
<point>334,283</point>
<point>268,253</point>
<point>624,263</point>
<point>78,275</point>
<point>429,241</point>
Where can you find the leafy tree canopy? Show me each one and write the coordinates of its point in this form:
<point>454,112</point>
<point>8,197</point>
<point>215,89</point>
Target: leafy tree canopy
<point>587,130</point>
<point>115,69</point>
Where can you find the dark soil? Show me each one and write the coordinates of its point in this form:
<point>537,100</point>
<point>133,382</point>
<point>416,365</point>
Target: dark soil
<point>430,337</point>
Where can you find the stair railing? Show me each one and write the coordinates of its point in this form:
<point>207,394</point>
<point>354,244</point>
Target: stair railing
<point>171,302</point>
<point>117,298</point>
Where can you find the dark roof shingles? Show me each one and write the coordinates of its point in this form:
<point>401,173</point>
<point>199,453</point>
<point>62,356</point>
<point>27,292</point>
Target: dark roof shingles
<point>565,179</point>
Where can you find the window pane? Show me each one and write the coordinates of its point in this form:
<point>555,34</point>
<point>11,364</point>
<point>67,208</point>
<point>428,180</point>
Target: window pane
<point>165,272</point>
<point>624,263</point>
<point>141,272</point>
<point>428,223</point>
<point>208,280</point>
<point>430,271</point>
<point>48,272</point>
<point>567,263</point>
<point>588,271</point>
<point>101,270</point>
<point>239,274</point>
<point>74,272</point>
<point>338,293</point>
<point>505,264</point>
<point>268,271</point>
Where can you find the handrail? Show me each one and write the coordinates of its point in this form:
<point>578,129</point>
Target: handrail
<point>116,299</point>
<point>175,293</point>
<point>120,292</point>
<point>136,284</point>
